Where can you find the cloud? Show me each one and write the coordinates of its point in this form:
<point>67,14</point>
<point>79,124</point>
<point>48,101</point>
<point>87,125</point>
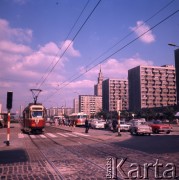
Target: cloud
<point>114,68</point>
<point>69,45</point>
<point>141,28</point>
<point>14,34</point>
<point>24,64</point>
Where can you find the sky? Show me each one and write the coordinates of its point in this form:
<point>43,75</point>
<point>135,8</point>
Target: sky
<point>58,46</point>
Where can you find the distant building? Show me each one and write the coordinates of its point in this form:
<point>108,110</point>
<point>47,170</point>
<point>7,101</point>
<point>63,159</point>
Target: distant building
<point>177,75</point>
<point>98,86</point>
<point>151,87</point>
<point>59,111</point>
<point>76,105</point>
<point>90,104</point>
<point>115,94</point>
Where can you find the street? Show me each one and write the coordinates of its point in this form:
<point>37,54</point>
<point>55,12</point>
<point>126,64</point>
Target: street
<point>63,152</point>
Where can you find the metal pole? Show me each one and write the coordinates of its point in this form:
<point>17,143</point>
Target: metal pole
<point>8,128</point>
<point>119,128</point>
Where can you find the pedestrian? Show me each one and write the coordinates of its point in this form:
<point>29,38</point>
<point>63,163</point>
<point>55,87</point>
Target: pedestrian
<point>86,125</point>
<point>114,124</point>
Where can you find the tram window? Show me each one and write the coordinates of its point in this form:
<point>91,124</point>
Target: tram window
<point>36,113</point>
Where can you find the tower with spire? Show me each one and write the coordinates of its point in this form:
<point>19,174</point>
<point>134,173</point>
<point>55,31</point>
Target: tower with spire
<point>98,86</point>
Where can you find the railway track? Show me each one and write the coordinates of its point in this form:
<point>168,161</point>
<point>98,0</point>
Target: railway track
<point>73,157</point>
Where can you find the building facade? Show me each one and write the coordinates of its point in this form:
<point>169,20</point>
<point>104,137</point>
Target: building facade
<point>90,104</point>
<point>76,105</point>
<point>177,75</point>
<point>115,94</point>
<point>151,87</point>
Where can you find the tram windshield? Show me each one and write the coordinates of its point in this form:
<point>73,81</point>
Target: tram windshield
<point>37,114</point>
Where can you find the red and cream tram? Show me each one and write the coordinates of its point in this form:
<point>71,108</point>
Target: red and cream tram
<point>34,118</point>
<point>78,118</point>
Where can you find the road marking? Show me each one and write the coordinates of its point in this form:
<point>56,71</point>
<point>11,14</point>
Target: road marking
<point>33,136</point>
<point>81,134</point>
<point>62,135</point>
<point>51,135</point>
<point>43,136</point>
<point>20,135</point>
<point>71,134</point>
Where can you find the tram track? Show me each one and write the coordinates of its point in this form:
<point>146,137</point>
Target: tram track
<point>107,150</point>
<point>56,156</point>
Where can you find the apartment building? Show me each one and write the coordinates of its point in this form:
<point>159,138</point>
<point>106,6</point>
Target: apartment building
<point>151,86</point>
<point>115,94</point>
<point>177,75</point>
<point>90,104</point>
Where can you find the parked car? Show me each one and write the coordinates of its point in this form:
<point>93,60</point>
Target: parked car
<point>123,125</point>
<point>157,127</point>
<point>98,124</point>
<point>139,127</point>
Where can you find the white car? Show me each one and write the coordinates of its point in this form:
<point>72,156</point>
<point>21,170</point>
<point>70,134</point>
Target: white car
<point>98,124</point>
<point>124,126</point>
<point>140,127</point>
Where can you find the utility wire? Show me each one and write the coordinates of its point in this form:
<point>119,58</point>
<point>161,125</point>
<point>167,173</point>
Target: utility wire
<point>48,68</point>
<point>70,43</point>
<point>115,52</point>
<point>126,36</point>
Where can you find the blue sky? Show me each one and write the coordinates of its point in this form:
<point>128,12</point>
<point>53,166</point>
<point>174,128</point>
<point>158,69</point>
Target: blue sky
<point>33,38</point>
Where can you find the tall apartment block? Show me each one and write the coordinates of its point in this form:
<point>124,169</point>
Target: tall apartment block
<point>151,86</point>
<point>177,75</point>
<point>115,94</point>
<point>90,104</point>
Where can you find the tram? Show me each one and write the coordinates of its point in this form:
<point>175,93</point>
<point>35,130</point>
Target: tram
<point>78,118</point>
<point>34,117</point>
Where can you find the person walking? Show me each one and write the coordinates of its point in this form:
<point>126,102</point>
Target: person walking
<point>86,125</point>
<point>114,125</point>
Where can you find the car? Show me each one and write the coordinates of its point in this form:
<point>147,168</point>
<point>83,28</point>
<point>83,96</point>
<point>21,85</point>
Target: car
<point>124,126</point>
<point>138,127</point>
<point>98,124</point>
<point>157,127</point>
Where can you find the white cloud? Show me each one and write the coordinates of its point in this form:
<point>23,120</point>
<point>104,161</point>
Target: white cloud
<point>114,68</point>
<point>14,34</point>
<point>68,44</point>
<point>14,48</point>
<point>141,28</point>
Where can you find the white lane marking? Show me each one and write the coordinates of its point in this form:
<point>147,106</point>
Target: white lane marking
<point>33,136</point>
<point>71,134</point>
<point>43,136</point>
<point>81,134</point>
<point>51,135</point>
<point>62,135</point>
<point>20,135</point>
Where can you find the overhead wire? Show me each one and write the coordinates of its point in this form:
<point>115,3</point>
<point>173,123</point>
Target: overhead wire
<point>126,36</point>
<point>63,53</point>
<point>115,52</point>
<point>71,29</point>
